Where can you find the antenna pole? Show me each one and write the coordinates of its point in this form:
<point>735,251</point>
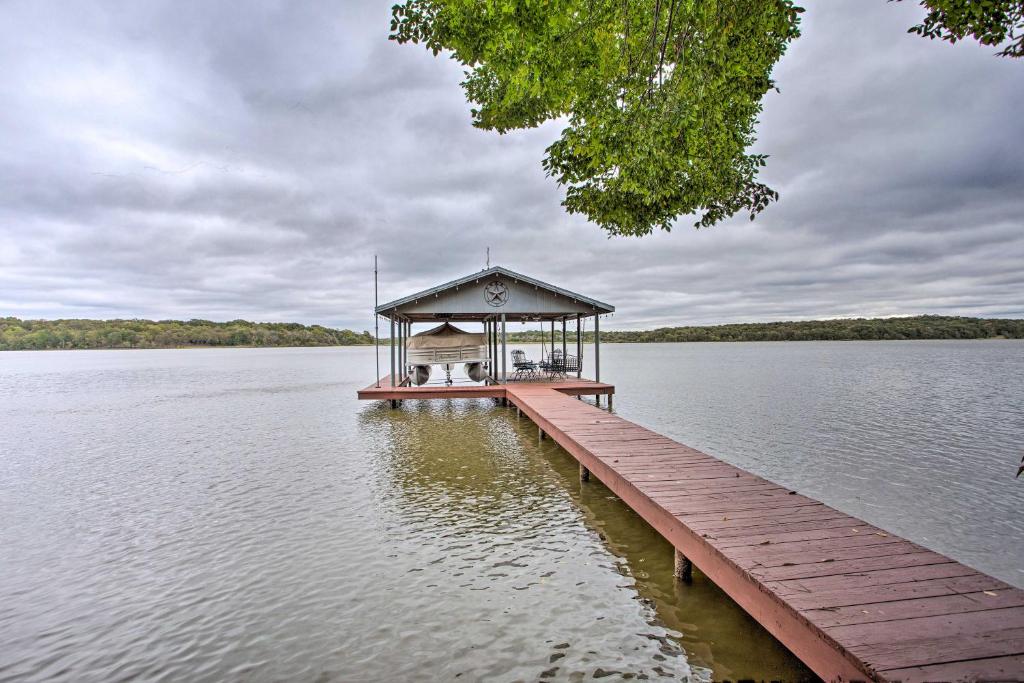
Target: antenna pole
<point>488,258</point>
<point>376,321</point>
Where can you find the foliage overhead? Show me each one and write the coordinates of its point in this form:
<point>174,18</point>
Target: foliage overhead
<point>990,22</point>
<point>661,97</point>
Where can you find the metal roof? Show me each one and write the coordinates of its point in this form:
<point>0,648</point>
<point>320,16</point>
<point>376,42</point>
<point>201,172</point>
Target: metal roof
<point>599,306</point>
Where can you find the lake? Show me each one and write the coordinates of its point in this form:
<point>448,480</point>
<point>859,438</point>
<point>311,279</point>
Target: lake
<point>236,514</point>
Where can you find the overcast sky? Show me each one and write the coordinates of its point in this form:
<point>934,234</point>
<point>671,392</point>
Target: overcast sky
<point>247,160</point>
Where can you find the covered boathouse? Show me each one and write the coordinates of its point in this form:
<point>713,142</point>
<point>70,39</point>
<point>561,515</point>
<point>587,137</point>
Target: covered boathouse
<point>494,297</point>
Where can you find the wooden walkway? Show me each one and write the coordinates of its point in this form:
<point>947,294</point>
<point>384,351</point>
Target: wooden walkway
<point>849,599</point>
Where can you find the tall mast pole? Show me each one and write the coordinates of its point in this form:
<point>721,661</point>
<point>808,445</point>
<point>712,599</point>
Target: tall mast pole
<point>376,322</point>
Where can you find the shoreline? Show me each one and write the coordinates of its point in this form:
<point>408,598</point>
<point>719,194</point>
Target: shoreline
<point>385,342</point>
<point>86,334</point>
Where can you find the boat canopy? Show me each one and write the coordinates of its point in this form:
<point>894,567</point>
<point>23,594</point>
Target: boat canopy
<point>445,336</point>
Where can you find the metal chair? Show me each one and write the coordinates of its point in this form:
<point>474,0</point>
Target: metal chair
<point>523,366</point>
<point>555,365</point>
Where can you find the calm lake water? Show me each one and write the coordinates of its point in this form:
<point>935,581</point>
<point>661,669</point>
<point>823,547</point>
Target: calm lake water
<point>236,514</point>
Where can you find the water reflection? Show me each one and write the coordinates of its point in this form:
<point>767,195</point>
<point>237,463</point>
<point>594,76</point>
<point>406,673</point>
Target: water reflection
<point>562,579</point>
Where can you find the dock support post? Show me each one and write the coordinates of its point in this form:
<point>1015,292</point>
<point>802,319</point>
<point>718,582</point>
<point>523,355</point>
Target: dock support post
<point>405,350</point>
<point>563,338</point>
<point>540,434</point>
<point>683,567</point>
<point>401,345</point>
<point>584,473</point>
<point>610,402</point>
<point>579,350</point>
<point>496,369</point>
<point>503,354</point>
<point>597,353</point>
<point>392,354</point>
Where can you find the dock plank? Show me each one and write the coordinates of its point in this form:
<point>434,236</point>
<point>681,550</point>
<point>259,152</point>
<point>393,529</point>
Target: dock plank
<point>872,613</point>
<point>987,669</point>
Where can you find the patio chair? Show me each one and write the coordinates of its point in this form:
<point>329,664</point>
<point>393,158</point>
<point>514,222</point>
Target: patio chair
<point>523,366</point>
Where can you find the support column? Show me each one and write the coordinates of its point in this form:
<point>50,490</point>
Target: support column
<point>392,352</point>
<point>683,568</point>
<point>584,473</point>
<point>552,336</point>
<point>504,339</point>
<point>579,349</point>
<point>597,353</point>
<point>401,344</point>
<point>563,339</point>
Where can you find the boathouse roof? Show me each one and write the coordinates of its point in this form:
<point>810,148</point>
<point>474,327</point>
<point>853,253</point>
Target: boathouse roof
<point>494,291</point>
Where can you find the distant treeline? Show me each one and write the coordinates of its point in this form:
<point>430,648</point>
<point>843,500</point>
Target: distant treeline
<point>18,334</point>
<point>849,329</point>
<point>148,334</point>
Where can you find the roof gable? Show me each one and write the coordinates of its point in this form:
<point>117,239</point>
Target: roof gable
<point>494,291</point>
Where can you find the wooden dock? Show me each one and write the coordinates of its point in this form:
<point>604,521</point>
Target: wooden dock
<point>386,392</point>
<point>849,599</point>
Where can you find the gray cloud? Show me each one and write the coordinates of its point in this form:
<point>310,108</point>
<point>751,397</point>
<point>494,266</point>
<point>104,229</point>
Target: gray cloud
<point>167,159</point>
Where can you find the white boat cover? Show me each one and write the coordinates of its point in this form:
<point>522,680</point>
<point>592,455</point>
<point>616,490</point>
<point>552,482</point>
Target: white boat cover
<point>445,336</point>
<point>446,344</point>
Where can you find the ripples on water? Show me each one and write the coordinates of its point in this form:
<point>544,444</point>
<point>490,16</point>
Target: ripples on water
<point>237,514</point>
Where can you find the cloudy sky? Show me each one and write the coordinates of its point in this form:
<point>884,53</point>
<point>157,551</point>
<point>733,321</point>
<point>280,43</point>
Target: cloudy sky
<point>194,159</point>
